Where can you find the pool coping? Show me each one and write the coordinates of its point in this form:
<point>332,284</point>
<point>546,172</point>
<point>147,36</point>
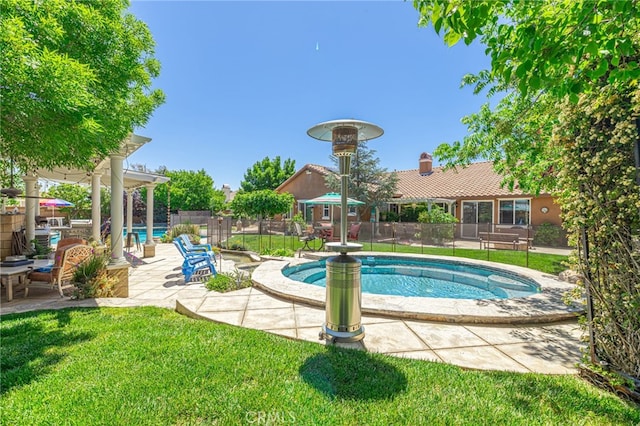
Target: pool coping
<point>545,307</point>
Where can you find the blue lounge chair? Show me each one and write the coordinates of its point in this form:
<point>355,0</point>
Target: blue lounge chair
<point>198,264</point>
<point>193,247</point>
<point>179,243</point>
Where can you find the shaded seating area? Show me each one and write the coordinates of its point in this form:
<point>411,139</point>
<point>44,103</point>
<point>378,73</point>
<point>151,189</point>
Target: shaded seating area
<point>66,259</point>
<point>195,264</point>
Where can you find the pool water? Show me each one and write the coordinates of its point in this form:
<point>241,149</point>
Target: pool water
<point>425,278</point>
<point>142,233</point>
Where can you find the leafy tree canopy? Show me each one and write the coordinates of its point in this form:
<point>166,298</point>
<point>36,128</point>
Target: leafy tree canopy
<point>561,47</point>
<point>190,190</point>
<point>76,79</point>
<point>79,195</point>
<point>267,174</point>
<point>264,203</point>
<point>368,182</point>
<point>568,122</point>
<point>541,52</point>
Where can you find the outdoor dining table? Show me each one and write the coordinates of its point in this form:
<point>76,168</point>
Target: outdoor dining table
<point>324,233</point>
<point>10,273</point>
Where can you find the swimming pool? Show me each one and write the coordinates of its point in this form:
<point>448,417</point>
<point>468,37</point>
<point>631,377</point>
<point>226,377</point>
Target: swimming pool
<point>546,306</point>
<point>142,233</point>
<point>436,278</point>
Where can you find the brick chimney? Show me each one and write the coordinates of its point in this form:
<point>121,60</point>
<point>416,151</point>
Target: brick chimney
<point>426,162</point>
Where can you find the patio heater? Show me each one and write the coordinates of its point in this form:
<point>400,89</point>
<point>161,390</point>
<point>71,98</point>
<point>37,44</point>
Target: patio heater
<point>344,292</point>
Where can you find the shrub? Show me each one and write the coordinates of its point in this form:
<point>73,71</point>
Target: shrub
<point>91,279</point>
<point>193,231</point>
<point>39,250</point>
<point>282,252</point>
<point>229,281</point>
<point>547,234</point>
<point>437,226</point>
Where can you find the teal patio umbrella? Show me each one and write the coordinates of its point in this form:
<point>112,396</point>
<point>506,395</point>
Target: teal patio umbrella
<point>332,199</point>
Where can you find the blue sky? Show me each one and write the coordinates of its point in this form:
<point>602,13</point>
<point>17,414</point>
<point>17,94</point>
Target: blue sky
<point>245,80</point>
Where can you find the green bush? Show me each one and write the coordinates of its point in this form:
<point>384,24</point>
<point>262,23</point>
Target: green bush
<point>39,250</point>
<point>229,281</point>
<point>282,252</point>
<point>437,226</point>
<point>233,246</point>
<point>193,231</point>
<point>91,279</point>
<point>547,234</point>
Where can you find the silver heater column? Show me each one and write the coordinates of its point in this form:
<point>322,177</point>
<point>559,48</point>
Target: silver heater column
<point>344,291</point>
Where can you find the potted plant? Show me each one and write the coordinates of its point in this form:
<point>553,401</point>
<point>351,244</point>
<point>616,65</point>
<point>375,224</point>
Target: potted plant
<point>39,250</point>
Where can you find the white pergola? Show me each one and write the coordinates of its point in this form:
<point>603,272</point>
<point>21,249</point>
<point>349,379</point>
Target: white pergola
<point>109,172</point>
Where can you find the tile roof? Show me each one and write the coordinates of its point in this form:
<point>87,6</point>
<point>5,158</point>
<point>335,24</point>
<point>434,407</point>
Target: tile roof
<point>323,170</point>
<point>474,180</point>
<point>320,169</point>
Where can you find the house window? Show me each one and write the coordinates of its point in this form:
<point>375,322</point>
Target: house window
<point>514,212</point>
<point>352,211</point>
<point>325,211</point>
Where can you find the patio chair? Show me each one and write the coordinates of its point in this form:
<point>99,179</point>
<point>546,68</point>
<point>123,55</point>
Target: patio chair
<point>304,237</point>
<point>193,247</point>
<point>70,240</point>
<point>66,260</point>
<point>195,264</point>
<point>179,243</point>
<point>354,230</point>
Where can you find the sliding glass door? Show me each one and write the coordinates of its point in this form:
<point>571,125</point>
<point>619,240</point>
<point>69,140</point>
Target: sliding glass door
<point>475,215</point>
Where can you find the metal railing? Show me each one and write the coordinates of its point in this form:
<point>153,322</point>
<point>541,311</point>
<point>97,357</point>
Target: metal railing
<point>275,234</point>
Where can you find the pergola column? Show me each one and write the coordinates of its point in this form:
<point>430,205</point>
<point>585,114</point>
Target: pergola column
<point>117,212</point>
<point>149,245</point>
<point>31,204</point>
<point>129,211</point>
<point>96,220</point>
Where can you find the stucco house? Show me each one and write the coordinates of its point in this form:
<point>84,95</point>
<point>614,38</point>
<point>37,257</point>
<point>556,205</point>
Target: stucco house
<point>473,194</point>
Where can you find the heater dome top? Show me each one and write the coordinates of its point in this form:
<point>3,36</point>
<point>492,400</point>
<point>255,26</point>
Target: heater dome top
<point>324,131</point>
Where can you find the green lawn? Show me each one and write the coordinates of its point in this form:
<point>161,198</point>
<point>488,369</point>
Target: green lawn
<point>152,366</point>
<point>548,263</point>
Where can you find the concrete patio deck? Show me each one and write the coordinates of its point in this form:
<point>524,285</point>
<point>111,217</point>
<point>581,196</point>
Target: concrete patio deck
<point>543,348</point>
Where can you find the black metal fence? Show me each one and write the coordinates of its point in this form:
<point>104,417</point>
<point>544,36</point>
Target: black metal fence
<point>478,236</point>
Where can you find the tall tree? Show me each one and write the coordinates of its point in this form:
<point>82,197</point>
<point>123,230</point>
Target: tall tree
<point>568,123</point>
<point>75,81</point>
<point>368,181</point>
<point>267,174</point>
<point>190,190</point>
<point>541,52</point>
<point>78,195</point>
<point>262,204</point>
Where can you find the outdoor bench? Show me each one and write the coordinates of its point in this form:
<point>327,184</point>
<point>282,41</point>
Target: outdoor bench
<point>500,240</point>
